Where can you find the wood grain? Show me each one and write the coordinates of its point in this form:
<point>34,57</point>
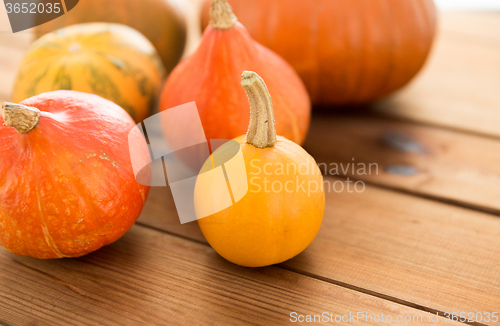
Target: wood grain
<point>459,87</point>
<point>150,278</point>
<point>432,254</point>
<point>423,252</point>
<point>428,161</point>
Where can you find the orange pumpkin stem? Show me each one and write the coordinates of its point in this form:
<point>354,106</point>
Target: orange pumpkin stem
<point>261,131</point>
<point>20,117</point>
<point>221,15</point>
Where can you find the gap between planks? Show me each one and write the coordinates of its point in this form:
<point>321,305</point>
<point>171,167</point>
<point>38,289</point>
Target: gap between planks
<point>372,255</point>
<point>376,112</point>
<point>449,167</point>
<point>423,195</point>
<point>328,280</point>
<point>112,283</point>
<point>380,295</point>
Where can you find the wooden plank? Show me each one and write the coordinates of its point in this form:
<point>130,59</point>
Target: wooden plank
<point>481,26</point>
<point>160,212</point>
<point>459,86</point>
<point>424,252</point>
<point>428,161</point>
<point>151,278</point>
<point>433,254</point>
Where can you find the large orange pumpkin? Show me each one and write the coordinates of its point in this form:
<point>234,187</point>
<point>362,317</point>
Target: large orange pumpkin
<point>110,60</point>
<point>163,22</point>
<point>211,78</point>
<point>346,51</point>
<point>282,210</point>
<point>66,182</point>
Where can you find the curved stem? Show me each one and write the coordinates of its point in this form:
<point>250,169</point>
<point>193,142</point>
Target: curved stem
<point>261,131</point>
<point>20,117</point>
<point>221,15</point>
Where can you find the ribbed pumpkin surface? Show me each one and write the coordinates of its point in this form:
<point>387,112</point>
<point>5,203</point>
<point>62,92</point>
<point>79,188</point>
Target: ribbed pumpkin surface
<point>110,60</point>
<point>346,51</point>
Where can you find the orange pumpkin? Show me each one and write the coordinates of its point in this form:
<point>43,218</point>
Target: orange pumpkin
<point>282,211</point>
<point>66,179</point>
<point>163,22</point>
<point>110,60</point>
<point>210,77</point>
<point>346,51</point>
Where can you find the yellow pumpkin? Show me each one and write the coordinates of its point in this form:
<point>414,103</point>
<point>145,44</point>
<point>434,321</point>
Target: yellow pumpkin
<point>163,22</point>
<point>110,60</point>
<point>282,209</point>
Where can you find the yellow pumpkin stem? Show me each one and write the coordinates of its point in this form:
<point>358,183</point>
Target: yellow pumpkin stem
<point>20,117</point>
<point>221,15</point>
<point>261,131</point>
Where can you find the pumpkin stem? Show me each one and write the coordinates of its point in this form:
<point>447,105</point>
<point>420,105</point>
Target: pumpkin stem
<point>261,131</point>
<point>20,117</point>
<point>221,15</point>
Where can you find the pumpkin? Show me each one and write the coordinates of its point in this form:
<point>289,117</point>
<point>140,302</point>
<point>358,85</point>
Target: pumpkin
<point>163,22</point>
<point>211,78</point>
<point>110,60</point>
<point>346,51</point>
<point>67,186</point>
<point>282,211</point>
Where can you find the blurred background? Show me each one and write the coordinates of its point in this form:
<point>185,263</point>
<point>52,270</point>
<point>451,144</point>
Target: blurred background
<point>468,4</point>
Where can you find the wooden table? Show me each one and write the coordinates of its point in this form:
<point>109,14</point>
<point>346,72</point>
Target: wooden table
<point>422,239</point>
